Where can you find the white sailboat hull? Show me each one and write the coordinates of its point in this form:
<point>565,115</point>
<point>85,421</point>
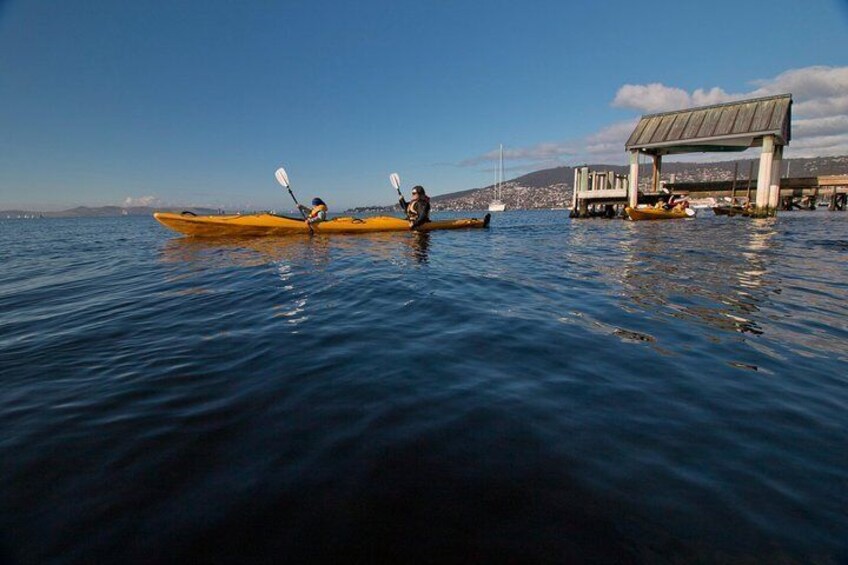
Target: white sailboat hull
<point>497,206</point>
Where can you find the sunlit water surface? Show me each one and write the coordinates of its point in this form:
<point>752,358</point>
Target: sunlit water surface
<point>544,390</point>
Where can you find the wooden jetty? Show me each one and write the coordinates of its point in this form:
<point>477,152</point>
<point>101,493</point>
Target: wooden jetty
<point>731,127</point>
<point>798,192</point>
<point>598,193</point>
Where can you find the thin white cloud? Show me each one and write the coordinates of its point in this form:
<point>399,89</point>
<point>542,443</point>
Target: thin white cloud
<point>538,152</point>
<point>819,146</point>
<point>654,97</point>
<point>822,107</point>
<point>130,201</point>
<point>808,82</point>
<point>610,140</point>
<point>820,126</point>
<point>712,96</point>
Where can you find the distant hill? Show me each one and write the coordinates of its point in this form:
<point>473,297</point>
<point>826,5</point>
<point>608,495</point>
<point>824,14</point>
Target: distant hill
<point>98,212</point>
<point>551,188</point>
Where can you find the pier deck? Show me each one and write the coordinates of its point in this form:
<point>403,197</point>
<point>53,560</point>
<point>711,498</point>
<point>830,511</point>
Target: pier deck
<point>595,195</point>
<point>804,189</point>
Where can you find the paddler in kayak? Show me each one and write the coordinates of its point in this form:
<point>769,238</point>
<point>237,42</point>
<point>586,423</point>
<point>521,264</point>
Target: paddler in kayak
<point>672,203</point>
<point>418,210</point>
<point>677,203</point>
<point>315,215</point>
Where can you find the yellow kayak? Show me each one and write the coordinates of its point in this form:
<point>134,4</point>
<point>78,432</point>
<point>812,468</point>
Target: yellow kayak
<point>271,224</point>
<point>658,213</point>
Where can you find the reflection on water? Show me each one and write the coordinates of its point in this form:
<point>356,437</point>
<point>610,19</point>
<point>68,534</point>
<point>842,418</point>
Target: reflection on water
<point>721,277</point>
<point>240,251</point>
<point>255,251</point>
<point>292,257</point>
<point>419,245</point>
<point>719,285</point>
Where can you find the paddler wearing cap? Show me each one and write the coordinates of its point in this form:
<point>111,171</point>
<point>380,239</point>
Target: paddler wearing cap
<point>315,215</point>
<point>418,210</point>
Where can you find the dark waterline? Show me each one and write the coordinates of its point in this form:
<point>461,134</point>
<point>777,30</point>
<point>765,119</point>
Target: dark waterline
<point>545,390</point>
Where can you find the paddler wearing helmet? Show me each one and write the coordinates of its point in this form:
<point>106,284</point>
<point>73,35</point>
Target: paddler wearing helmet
<point>316,214</point>
<point>418,210</point>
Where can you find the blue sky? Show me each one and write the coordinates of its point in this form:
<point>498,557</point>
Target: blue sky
<point>199,102</point>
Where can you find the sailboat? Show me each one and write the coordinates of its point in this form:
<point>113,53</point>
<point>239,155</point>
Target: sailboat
<point>497,205</point>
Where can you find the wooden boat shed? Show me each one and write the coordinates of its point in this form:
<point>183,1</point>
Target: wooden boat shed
<point>735,126</point>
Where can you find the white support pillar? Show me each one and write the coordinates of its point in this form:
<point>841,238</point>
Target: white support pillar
<point>655,180</point>
<point>574,188</point>
<point>774,187</point>
<point>633,190</point>
<point>583,205</point>
<point>764,177</point>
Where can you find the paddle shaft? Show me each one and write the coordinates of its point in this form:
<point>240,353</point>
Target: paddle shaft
<point>302,213</point>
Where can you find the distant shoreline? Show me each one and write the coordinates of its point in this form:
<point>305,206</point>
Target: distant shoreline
<point>546,189</point>
<point>99,212</point>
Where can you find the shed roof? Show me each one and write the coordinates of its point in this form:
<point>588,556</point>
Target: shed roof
<point>734,126</point>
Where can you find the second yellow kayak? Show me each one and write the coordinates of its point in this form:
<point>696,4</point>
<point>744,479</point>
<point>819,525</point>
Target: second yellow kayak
<point>637,214</point>
<point>271,224</point>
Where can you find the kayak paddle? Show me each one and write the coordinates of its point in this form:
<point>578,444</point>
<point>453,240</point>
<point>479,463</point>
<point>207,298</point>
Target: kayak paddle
<point>283,179</point>
<point>395,179</point>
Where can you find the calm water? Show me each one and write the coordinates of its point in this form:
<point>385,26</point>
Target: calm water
<point>502,395</point>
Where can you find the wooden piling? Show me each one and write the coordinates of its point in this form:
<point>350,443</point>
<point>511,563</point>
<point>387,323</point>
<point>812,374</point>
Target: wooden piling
<point>733,186</point>
<point>750,177</point>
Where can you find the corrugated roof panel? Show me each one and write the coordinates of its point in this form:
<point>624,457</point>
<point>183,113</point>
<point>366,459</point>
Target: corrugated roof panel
<point>710,122</point>
<point>664,127</point>
<point>725,121</point>
<point>780,108</point>
<point>695,121</point>
<point>744,118</point>
<point>679,125</point>
<point>637,133</point>
<point>762,117</point>
<point>650,127</point>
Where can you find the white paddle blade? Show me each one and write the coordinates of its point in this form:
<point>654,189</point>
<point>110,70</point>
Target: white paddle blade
<point>690,212</point>
<point>282,177</point>
<point>395,178</point>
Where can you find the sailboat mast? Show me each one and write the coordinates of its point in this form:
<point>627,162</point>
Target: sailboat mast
<point>500,168</point>
<point>495,184</point>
